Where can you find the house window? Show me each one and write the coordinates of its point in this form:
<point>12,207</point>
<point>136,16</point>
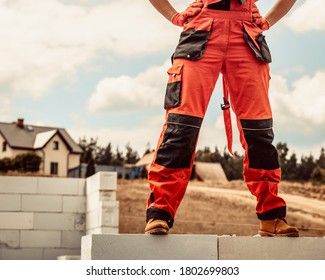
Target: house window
<point>4,146</point>
<point>55,145</point>
<point>54,168</point>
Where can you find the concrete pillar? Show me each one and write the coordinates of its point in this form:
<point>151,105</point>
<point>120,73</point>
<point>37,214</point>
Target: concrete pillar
<point>102,207</point>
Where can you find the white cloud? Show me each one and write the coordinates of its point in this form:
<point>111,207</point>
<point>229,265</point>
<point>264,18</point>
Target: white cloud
<point>45,43</point>
<point>309,16</point>
<point>304,102</point>
<point>142,91</point>
<point>138,136</point>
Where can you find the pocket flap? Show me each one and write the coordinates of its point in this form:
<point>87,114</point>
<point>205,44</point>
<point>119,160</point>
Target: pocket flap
<point>203,24</point>
<point>252,31</point>
<point>175,69</point>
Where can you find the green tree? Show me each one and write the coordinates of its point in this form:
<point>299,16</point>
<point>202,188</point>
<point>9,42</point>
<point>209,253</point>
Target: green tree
<point>90,170</point>
<point>27,162</point>
<point>282,151</point>
<point>6,164</point>
<point>216,156</point>
<point>306,167</point>
<point>131,156</point>
<point>203,155</point>
<point>321,159</point>
<point>118,158</point>
<point>232,165</point>
<point>104,156</point>
<point>89,149</point>
<point>291,168</point>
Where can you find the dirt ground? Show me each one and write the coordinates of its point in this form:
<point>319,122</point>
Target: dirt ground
<point>224,208</point>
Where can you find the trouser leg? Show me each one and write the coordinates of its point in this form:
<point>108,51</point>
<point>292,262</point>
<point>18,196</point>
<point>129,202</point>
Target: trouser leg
<point>187,97</point>
<point>248,81</point>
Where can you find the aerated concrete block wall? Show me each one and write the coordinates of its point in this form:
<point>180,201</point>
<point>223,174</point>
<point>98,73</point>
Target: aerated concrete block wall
<point>102,207</point>
<point>200,247</point>
<point>44,218</point>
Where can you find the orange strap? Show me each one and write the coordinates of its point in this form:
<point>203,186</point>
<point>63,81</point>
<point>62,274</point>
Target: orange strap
<point>226,114</point>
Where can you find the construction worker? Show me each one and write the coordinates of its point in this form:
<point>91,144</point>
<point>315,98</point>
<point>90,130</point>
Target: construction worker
<point>223,36</point>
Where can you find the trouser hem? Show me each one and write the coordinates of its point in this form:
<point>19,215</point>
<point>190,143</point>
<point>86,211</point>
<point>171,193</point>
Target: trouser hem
<point>279,212</point>
<point>156,213</point>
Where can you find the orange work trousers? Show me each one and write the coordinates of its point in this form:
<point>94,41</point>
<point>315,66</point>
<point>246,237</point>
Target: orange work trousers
<point>211,43</point>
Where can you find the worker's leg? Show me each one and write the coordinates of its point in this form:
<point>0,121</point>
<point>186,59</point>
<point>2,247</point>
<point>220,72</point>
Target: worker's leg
<point>191,82</point>
<point>248,81</point>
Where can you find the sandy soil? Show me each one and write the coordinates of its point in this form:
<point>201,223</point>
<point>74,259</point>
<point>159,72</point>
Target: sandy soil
<point>224,209</point>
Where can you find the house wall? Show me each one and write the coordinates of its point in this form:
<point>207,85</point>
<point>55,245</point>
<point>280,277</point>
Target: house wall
<point>11,153</point>
<point>74,161</point>
<point>44,218</point>
<point>60,156</point>
<point>8,152</point>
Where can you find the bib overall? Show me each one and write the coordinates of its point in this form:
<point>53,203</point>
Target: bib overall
<point>221,39</point>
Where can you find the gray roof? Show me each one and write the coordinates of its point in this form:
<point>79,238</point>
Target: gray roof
<point>24,137</point>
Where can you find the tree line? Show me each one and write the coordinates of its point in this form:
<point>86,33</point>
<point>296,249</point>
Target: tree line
<point>308,168</point>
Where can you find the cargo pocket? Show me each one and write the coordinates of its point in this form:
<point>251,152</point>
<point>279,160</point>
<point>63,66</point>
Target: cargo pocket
<point>194,39</point>
<point>257,43</point>
<point>174,86</point>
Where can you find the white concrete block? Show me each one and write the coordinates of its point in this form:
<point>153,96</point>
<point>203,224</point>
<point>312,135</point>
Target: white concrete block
<point>101,181</point>
<point>107,195</point>
<point>54,221</point>
<point>74,204</point>
<point>82,187</point>
<point>22,254</point>
<point>53,254</point>
<point>71,239</point>
<point>69,258</point>
<point>42,203</point>
<point>80,221</point>
<point>280,248</point>
<point>109,213</point>
<point>92,219</point>
<point>9,238</point>
<point>92,201</point>
<point>186,247</point>
<point>16,220</point>
<point>149,247</point>
<point>103,230</point>
<point>18,184</point>
<point>40,239</point>
<point>94,198</point>
<point>10,202</point>
<point>69,186</point>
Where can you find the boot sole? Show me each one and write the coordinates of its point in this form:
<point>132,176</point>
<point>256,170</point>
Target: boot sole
<point>157,231</point>
<point>269,234</point>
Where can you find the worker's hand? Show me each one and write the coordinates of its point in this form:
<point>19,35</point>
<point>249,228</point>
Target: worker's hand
<point>260,21</point>
<point>193,9</point>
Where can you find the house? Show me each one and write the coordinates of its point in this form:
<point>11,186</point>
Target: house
<point>59,152</point>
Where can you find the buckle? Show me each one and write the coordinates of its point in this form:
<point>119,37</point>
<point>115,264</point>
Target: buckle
<point>225,106</point>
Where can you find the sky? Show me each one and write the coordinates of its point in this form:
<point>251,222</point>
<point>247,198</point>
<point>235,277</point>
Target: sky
<point>98,69</point>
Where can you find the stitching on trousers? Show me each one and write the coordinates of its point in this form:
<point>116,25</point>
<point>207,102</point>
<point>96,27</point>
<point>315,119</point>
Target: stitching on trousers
<point>184,124</point>
<point>268,128</point>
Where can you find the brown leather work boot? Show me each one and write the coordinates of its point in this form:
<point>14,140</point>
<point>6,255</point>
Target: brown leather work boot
<point>277,227</point>
<point>156,226</point>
